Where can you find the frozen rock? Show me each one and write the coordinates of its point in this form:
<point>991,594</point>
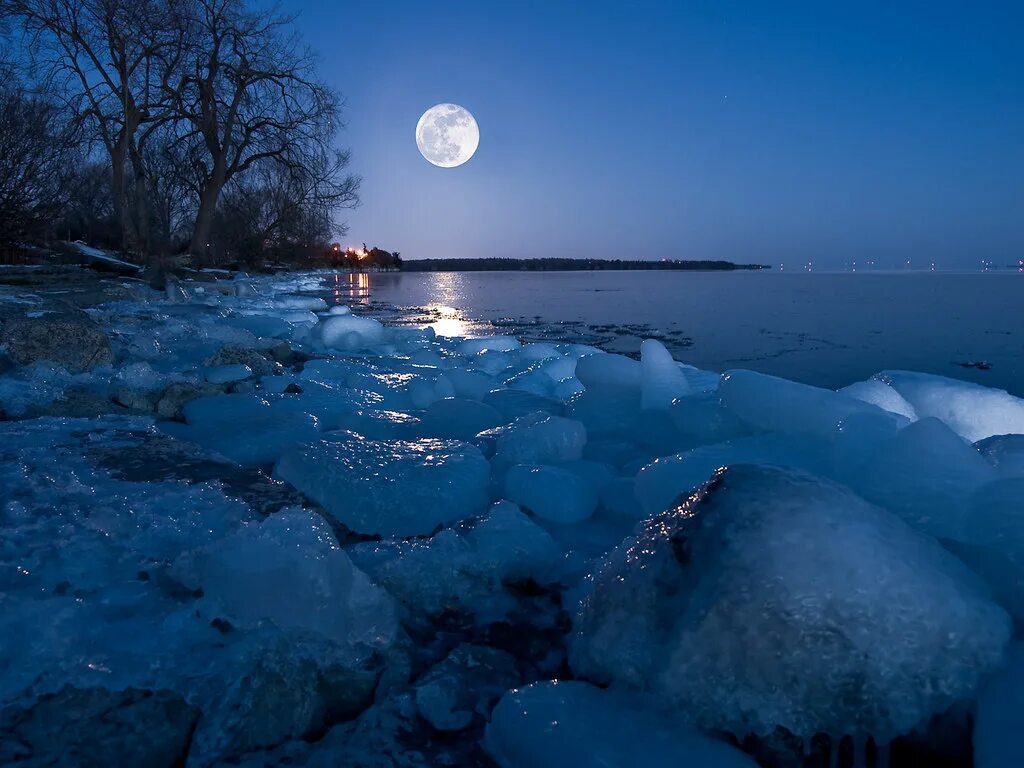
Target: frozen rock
<point>1000,715</point>
<point>226,374</point>
<point>274,689</point>
<point>972,411</point>
<point>290,571</point>
<point>758,603</point>
<point>881,394</point>
<point>464,685</point>
<point>539,438</point>
<point>551,493</point>
<point>72,341</point>
<point>778,405</point>
<point>257,362</point>
<point>569,723</point>
<point>390,487</point>
<point>925,474</point>
<point>662,379</point>
<point>98,727</point>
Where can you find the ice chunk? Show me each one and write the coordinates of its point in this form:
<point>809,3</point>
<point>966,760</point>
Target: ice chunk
<point>1005,453</point>
<point>558,724</point>
<point>243,428</point>
<point>513,403</point>
<point>269,326</point>
<point>972,411</point>
<point>333,407</point>
<point>390,487</point>
<point>659,483</point>
<point>539,351</point>
<point>225,374</point>
<point>758,602</point>
<point>551,493</point>
<point>703,419</point>
<point>289,570</point>
<point>778,405</point>
<point>606,371</point>
<point>458,418</point>
<point>471,347</point>
<point>470,384</point>
<point>881,394</point>
<point>467,568</point>
<point>1000,716</point>
<point>539,438</point>
<point>926,475</point>
<point>349,332</point>
<point>662,379</point>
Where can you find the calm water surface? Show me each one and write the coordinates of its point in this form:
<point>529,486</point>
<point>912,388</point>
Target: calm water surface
<point>825,329</point>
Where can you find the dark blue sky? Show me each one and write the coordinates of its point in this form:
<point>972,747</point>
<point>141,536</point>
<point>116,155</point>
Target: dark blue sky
<point>750,131</point>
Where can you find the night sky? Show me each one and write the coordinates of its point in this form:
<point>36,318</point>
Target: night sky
<point>764,132</point>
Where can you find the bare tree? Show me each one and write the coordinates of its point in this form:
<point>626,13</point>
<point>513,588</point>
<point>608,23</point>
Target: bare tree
<point>250,97</point>
<point>35,154</point>
<point>115,64</point>
<point>283,212</point>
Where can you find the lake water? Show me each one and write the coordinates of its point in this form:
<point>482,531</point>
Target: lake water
<point>821,328</point>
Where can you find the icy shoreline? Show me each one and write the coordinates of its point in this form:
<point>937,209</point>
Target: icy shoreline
<point>316,539</point>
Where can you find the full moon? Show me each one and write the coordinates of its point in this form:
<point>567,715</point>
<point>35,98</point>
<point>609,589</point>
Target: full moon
<point>447,135</point>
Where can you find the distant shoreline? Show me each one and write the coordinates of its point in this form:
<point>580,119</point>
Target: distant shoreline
<point>567,265</point>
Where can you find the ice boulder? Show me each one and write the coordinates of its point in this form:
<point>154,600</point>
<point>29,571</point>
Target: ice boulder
<point>289,570</point>
<point>779,405</point>
<point>659,483</point>
<point>772,598</point>
<point>702,418</point>
<point>553,494</point>
<point>390,487</point>
<point>925,474</point>
<point>558,724</point>
<point>972,411</point>
<point>881,394</point>
<point>225,374</point>
<point>244,428</point>
<point>999,721</point>
<point>1005,453</point>
<point>513,403</point>
<point>465,568</point>
<point>540,438</point>
<point>458,418</point>
<point>662,379</point>
<point>605,371</point>
<point>471,347</point>
<point>349,332</point>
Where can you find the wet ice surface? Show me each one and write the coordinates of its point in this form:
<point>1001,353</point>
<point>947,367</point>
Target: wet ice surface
<point>824,329</point>
<point>341,537</point>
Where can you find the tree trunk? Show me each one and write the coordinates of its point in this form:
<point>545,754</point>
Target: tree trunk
<point>119,197</point>
<point>200,246</point>
<point>141,217</point>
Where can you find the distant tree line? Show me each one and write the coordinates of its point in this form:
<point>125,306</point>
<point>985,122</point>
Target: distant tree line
<point>159,127</point>
<point>557,264</point>
<point>360,259</point>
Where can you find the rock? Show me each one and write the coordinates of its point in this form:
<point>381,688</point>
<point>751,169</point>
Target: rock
<point>137,399</point>
<point>468,681</point>
<point>75,403</point>
<point>72,341</point>
<point>257,361</point>
<point>757,603</point>
<point>292,689</point>
<point>97,727</point>
<point>171,402</point>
